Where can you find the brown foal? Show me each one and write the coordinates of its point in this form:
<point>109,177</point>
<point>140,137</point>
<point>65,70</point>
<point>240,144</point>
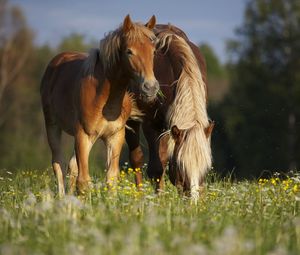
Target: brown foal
<point>86,96</point>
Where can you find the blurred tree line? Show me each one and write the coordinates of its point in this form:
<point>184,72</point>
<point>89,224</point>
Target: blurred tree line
<point>23,143</point>
<point>253,98</point>
<point>258,120</point>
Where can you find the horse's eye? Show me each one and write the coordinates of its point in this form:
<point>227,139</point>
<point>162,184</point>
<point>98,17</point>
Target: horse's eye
<point>129,52</point>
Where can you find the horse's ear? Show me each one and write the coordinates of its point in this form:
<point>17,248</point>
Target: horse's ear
<point>208,130</point>
<point>175,132</point>
<point>151,23</point>
<point>127,24</point>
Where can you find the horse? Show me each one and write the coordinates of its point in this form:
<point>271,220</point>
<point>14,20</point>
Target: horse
<point>85,95</point>
<point>176,126</point>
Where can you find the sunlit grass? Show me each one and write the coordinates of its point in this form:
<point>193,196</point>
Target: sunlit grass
<point>249,217</point>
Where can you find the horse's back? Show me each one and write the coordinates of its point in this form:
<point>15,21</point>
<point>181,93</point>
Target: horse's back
<point>62,62</point>
<point>58,88</point>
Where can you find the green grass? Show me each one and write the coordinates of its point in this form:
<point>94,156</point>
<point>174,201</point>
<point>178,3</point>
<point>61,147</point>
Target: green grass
<point>231,218</point>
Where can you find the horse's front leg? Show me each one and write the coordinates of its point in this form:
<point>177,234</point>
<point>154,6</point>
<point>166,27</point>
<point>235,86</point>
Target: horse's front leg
<point>163,156</point>
<point>83,145</point>
<point>114,144</point>
<point>157,155</point>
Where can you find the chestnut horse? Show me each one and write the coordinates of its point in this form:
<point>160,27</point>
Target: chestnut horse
<point>86,96</point>
<point>177,127</point>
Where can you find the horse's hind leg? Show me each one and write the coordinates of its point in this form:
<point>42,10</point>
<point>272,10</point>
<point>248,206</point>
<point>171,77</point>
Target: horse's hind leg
<point>136,156</point>
<point>83,146</point>
<point>73,173</point>
<point>54,140</point>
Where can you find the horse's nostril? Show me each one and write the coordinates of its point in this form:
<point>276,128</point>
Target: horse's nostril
<point>146,86</point>
<point>150,88</point>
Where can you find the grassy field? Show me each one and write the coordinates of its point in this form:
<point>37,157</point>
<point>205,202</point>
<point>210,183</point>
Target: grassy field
<point>258,217</point>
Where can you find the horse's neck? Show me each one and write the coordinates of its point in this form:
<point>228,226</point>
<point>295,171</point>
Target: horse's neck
<point>175,62</point>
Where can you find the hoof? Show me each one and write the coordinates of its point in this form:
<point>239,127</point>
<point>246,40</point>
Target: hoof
<point>61,192</point>
<point>84,187</point>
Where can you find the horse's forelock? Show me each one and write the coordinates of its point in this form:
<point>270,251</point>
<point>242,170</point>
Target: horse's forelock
<point>193,157</point>
<point>111,44</point>
<point>138,32</point>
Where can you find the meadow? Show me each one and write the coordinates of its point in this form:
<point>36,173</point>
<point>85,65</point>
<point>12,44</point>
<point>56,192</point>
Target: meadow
<point>247,217</point>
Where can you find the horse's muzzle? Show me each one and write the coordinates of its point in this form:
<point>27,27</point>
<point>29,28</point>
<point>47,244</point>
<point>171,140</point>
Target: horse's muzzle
<point>149,90</point>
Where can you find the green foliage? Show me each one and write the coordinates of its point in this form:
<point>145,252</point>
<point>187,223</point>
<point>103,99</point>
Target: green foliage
<point>231,218</point>
<point>214,67</point>
<point>74,42</point>
<point>22,131</point>
<point>217,77</point>
<point>260,115</point>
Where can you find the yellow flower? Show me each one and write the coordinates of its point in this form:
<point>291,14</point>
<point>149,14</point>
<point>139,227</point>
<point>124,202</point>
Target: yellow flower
<point>296,188</point>
<point>213,194</point>
<point>285,184</point>
<point>262,181</point>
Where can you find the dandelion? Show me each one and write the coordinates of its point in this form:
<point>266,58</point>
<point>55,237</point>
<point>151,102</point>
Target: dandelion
<point>262,181</point>
<point>285,185</point>
<point>273,181</point>
<point>296,188</point>
<point>213,194</point>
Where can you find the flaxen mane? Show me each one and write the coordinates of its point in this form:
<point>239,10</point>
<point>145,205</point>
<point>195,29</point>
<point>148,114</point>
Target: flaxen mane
<point>188,113</point>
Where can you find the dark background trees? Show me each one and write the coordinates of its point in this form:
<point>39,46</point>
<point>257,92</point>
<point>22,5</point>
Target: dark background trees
<point>259,117</point>
<point>253,98</point>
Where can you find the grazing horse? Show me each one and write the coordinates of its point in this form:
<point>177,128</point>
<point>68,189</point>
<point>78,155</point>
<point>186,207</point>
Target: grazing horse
<point>86,96</point>
<point>176,126</point>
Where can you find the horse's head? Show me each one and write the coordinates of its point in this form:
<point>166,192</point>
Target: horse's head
<point>190,158</point>
<point>137,53</point>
